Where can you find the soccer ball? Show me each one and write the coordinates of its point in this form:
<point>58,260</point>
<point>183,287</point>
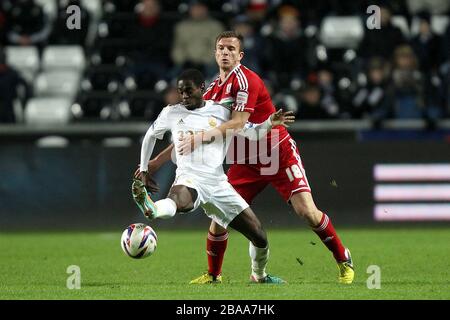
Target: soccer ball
<point>138,241</point>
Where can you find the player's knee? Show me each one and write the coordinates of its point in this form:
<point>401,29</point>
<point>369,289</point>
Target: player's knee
<point>305,210</point>
<point>216,228</point>
<point>182,204</point>
<point>182,197</point>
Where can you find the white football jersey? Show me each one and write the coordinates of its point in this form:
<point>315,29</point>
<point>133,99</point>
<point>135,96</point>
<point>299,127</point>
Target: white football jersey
<point>206,160</point>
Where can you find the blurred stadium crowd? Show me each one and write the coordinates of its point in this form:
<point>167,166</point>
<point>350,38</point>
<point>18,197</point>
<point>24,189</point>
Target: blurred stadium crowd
<point>318,58</point>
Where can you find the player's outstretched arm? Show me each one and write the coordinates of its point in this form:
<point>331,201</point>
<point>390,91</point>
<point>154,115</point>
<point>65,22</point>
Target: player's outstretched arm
<point>254,131</point>
<point>281,118</point>
<point>237,122</point>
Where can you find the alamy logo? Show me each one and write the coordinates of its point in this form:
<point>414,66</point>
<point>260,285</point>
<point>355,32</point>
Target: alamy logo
<point>74,19</point>
<point>374,280</point>
<point>74,280</point>
<point>373,21</point>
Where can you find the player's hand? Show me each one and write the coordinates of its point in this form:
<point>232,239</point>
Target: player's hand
<point>189,143</point>
<point>151,168</point>
<point>148,181</point>
<point>281,118</point>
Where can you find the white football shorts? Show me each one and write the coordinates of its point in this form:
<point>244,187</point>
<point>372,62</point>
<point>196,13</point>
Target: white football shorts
<point>219,199</point>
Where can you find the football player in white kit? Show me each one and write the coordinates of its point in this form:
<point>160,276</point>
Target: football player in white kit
<point>200,179</point>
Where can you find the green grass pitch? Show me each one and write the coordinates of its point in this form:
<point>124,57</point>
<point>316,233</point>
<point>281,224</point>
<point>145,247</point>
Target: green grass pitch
<point>414,264</point>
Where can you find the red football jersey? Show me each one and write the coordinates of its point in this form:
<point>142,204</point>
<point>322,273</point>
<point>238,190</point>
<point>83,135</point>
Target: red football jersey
<point>244,90</point>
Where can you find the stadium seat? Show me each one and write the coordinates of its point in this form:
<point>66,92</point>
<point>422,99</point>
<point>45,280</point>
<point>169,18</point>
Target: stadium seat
<point>433,6</point>
<point>47,111</point>
<point>23,59</point>
<point>119,5</point>
<point>50,7</point>
<point>117,26</point>
<point>141,81</point>
<point>102,78</point>
<point>117,142</point>
<point>401,23</point>
<point>140,105</point>
<point>63,57</point>
<point>52,142</point>
<point>112,52</point>
<point>341,32</point>
<point>94,7</point>
<point>438,25</point>
<point>57,83</point>
<point>93,106</point>
<point>28,75</point>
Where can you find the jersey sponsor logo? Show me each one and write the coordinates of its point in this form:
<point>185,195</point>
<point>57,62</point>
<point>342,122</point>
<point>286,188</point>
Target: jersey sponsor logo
<point>180,122</point>
<point>228,89</point>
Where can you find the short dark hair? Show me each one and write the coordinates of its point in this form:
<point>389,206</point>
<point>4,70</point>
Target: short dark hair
<point>231,34</point>
<point>193,75</point>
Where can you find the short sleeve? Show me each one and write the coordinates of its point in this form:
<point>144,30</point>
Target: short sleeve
<point>247,94</point>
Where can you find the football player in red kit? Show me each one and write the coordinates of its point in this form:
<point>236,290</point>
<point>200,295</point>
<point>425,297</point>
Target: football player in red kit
<point>245,91</point>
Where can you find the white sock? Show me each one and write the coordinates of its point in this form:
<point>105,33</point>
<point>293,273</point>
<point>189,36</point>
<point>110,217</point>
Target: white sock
<point>165,208</point>
<point>260,257</point>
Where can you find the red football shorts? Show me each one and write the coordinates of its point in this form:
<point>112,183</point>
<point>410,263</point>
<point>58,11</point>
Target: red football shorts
<point>290,178</point>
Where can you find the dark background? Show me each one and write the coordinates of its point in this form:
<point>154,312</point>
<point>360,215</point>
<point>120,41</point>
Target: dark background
<point>86,185</point>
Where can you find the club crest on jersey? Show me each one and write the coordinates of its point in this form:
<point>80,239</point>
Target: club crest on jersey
<point>228,89</point>
<point>212,122</point>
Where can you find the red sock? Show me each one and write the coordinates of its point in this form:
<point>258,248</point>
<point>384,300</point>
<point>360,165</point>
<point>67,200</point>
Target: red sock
<point>329,237</point>
<point>216,244</point>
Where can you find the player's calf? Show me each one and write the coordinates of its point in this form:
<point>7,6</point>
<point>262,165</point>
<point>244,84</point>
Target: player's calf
<point>305,208</point>
<point>249,225</point>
